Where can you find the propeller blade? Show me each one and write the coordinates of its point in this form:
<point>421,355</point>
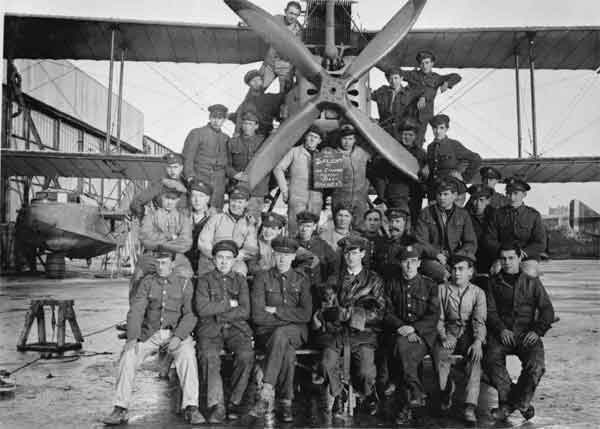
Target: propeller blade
<point>385,144</point>
<point>280,142</point>
<point>277,36</point>
<point>386,40</point>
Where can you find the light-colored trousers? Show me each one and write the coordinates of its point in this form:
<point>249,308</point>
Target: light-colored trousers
<point>184,358</point>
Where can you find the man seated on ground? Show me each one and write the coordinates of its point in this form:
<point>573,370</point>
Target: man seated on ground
<point>222,304</point>
<point>240,150</point>
<point>199,198</point>
<point>412,314</point>
<point>160,315</point>
<point>519,314</point>
<point>461,331</point>
<point>272,227</point>
<point>360,310</point>
<point>444,229</point>
<point>281,310</point>
<point>232,224</point>
<point>387,248</point>
<point>265,106</point>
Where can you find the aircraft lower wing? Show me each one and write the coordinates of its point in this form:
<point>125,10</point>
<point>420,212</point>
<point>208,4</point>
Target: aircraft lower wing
<point>145,167</point>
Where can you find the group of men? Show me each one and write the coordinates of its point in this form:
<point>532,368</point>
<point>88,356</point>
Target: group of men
<point>375,297</point>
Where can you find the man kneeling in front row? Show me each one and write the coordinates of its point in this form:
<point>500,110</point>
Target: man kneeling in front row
<point>160,315</point>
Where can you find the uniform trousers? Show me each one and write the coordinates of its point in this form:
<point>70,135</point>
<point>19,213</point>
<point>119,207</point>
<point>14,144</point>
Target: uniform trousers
<point>409,356</point>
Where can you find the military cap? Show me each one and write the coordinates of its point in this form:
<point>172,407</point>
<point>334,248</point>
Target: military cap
<point>274,220</point>
<point>480,190</point>
<point>421,55</point>
<point>314,129</point>
<point>171,190</point>
<point>490,173</point>
<point>284,245</point>
<point>251,75</point>
<point>440,119</point>
<point>393,71</point>
<point>249,115</point>
<point>163,254</point>
<point>198,185</point>
<point>217,110</point>
<point>306,217</point>
<point>347,130</point>
<point>396,212</point>
<point>229,245</point>
<point>446,184</point>
<point>408,252</point>
<point>353,241</point>
<point>460,257</point>
<point>342,206</point>
<point>240,192</point>
<point>408,124</point>
<point>173,158</point>
<point>516,184</point>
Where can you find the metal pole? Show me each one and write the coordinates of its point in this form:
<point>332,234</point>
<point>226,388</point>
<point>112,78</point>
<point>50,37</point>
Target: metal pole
<point>110,83</point>
<point>120,103</point>
<point>518,93</point>
<point>532,83</point>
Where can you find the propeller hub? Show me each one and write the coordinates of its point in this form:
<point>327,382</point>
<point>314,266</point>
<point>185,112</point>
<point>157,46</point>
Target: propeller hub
<point>333,90</point>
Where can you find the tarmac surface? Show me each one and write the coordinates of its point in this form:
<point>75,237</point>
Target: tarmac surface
<point>77,393</point>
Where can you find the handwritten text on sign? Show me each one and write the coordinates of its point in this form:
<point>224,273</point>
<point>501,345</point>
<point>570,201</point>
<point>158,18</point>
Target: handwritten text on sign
<point>328,169</point>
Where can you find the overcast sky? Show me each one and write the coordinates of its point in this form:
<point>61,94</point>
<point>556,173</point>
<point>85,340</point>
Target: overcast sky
<point>483,117</point>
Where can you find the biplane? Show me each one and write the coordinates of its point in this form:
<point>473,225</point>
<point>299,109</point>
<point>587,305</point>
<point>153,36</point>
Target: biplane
<point>332,63</point>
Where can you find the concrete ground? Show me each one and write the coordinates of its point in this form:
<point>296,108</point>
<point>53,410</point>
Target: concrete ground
<point>77,393</point>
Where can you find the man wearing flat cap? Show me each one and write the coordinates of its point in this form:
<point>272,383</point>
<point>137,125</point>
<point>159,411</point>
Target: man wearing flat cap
<point>266,106</point>
<point>444,229</point>
<point>281,310</point>
<point>272,226</point>
<point>231,224</point>
<point>297,190</point>
<point>173,177</point>
<point>240,150</point>
<point>428,81</point>
<point>205,154</point>
<point>360,310</point>
<point>387,248</point>
<point>222,303</point>
<point>199,198</point>
<point>411,320</point>
<point>519,223</point>
<point>461,331</point>
<point>448,157</point>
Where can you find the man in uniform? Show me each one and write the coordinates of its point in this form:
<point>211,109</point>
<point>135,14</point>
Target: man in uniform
<point>281,309</point>
<point>310,241</point>
<point>360,310</point>
<point>173,178</point>
<point>240,150</point>
<point>205,155</point>
<point>299,193</point>
<point>272,227</point>
<point>387,248</point>
<point>411,318</point>
<point>491,177</point>
<point>461,331</point>
<point>232,224</point>
<point>428,81</point>
<point>481,211</point>
<point>519,314</point>
<point>160,315</point>
<point>222,304</point>
<point>517,222</point>
<point>355,186</point>
<point>448,157</point>
<point>199,199</point>
<point>275,64</point>
<point>444,229</point>
<point>265,106</point>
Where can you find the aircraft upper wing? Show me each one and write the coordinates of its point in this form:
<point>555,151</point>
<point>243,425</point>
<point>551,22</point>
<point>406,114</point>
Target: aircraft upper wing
<point>567,48</point>
<point>93,165</point>
<point>52,37</point>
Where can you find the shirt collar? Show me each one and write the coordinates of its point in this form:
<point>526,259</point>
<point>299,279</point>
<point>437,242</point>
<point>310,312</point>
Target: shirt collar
<point>354,273</point>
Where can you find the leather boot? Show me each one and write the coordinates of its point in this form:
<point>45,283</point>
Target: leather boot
<point>117,417</point>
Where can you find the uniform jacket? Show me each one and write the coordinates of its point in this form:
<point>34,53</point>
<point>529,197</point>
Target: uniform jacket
<point>298,163</point>
<point>449,155</point>
<point>204,152</point>
<point>197,225</point>
<point>272,55</point>
<point>169,231</point>
<point>460,311</point>
<point>428,83</point>
<point>161,303</point>
<point>224,226</point>
<point>413,302</point>
<point>385,254</point>
<point>523,224</point>
<point>392,109</point>
<point>240,150</point>
<point>484,261</point>
<point>526,307</point>
<point>265,105</point>
<point>435,236</point>
<point>214,290</point>
<point>288,292</point>
<point>355,186</point>
<point>148,195</point>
